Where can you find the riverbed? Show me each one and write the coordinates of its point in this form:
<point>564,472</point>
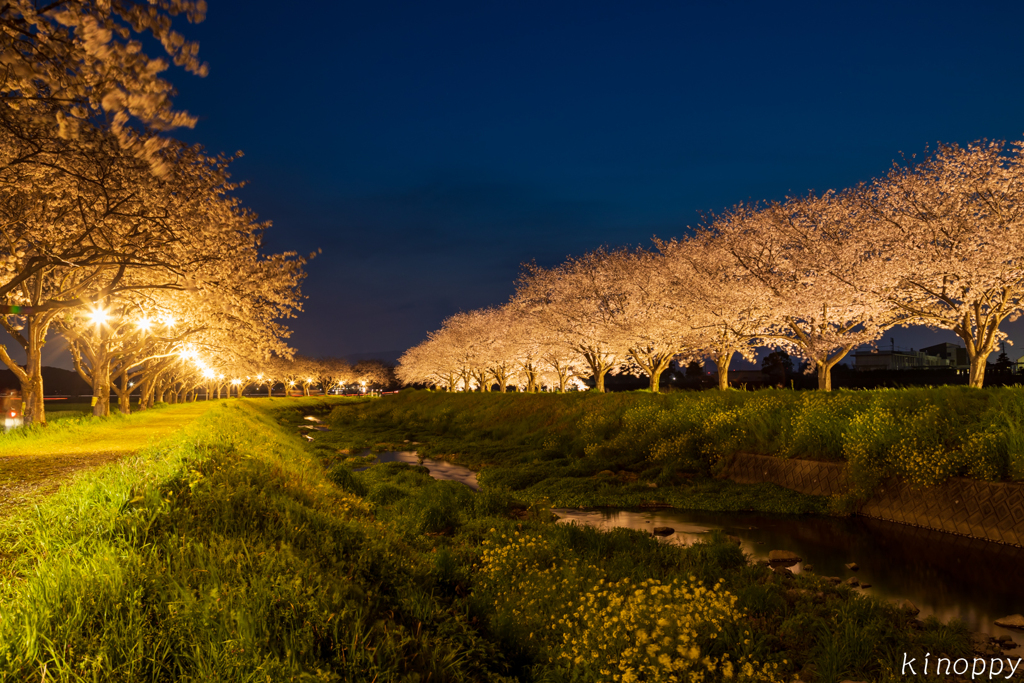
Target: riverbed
<point>951,577</point>
<point>948,576</point>
<point>439,469</point>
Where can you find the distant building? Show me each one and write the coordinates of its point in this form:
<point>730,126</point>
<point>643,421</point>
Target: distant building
<point>1018,366</point>
<point>902,359</point>
<point>951,352</point>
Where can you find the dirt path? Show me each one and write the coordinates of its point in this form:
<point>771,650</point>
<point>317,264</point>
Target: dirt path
<point>36,465</point>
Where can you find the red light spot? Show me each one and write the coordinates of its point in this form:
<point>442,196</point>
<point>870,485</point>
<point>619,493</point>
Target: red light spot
<point>14,414</point>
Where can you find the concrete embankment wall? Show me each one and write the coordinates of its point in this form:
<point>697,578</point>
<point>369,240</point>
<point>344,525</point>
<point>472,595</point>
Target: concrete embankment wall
<point>991,511</point>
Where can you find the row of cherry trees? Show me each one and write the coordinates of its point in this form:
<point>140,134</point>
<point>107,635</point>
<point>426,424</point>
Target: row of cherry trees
<point>128,243</point>
<point>937,242</point>
<point>302,373</point>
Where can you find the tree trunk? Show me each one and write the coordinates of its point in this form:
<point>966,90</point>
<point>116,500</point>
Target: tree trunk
<point>656,376</point>
<point>598,368</point>
<point>825,368</point>
<point>30,377</point>
<point>101,388</point>
<point>531,379</point>
<point>35,407</point>
<point>146,394</point>
<point>978,364</point>
<point>269,390</point>
<point>124,398</point>
<point>502,379</point>
<point>722,363</point>
<point>824,377</point>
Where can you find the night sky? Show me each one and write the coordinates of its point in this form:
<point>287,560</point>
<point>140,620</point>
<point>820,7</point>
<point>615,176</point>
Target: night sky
<point>431,148</point>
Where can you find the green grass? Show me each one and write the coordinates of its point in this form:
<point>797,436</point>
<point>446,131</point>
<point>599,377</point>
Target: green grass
<point>233,550</point>
<point>222,553</point>
<point>922,435</point>
<point>82,435</point>
<point>35,461</point>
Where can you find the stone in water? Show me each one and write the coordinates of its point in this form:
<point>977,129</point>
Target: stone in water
<point>783,557</point>
<point>1012,621</point>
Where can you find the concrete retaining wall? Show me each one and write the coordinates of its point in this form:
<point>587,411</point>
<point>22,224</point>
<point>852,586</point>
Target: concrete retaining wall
<point>991,511</point>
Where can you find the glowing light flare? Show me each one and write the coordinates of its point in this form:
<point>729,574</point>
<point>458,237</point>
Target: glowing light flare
<point>144,325</point>
<point>209,374</point>
<point>236,382</point>
<point>97,316</point>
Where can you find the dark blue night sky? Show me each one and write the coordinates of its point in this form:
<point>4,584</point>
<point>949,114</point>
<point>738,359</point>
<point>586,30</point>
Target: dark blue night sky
<point>430,148</point>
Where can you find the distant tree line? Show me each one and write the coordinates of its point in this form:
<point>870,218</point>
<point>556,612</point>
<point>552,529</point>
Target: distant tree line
<point>937,242</point>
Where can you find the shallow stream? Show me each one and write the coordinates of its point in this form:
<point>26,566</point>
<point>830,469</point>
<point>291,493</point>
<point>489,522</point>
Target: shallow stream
<point>951,577</point>
<point>439,469</point>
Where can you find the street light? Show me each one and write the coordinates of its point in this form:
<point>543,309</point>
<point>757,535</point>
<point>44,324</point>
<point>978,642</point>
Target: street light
<point>97,316</point>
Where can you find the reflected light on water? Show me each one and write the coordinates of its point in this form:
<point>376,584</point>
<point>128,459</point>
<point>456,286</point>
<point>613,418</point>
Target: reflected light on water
<point>948,576</point>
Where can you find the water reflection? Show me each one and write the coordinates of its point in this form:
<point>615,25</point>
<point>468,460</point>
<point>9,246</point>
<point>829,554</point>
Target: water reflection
<point>945,575</point>
<point>951,577</point>
<point>439,469</point>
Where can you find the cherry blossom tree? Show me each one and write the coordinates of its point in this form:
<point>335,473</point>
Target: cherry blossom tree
<point>820,276</point>
<point>434,362</point>
<point>648,319</point>
<point>952,228</point>
<point>726,307</point>
<point>574,303</point>
<point>70,64</point>
<point>374,373</point>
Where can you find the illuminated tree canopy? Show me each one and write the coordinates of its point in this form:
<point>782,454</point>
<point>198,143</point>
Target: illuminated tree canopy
<point>936,242</point>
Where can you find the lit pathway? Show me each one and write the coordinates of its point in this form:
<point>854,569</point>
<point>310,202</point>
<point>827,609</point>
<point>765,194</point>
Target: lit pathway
<point>36,464</point>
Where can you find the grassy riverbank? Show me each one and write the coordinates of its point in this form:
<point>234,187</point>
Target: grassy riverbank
<point>236,551</point>
<point>575,446</point>
<point>36,460</point>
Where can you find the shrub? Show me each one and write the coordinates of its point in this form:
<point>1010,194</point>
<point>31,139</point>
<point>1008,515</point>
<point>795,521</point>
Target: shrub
<point>343,478</point>
<point>386,494</point>
<point>493,502</point>
<point>442,507</point>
